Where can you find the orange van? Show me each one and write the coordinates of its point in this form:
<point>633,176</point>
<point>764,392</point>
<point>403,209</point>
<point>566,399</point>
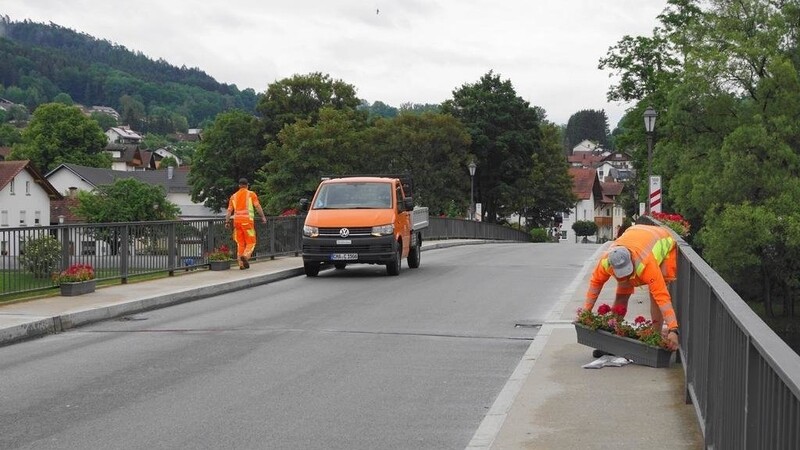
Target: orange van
<point>363,220</point>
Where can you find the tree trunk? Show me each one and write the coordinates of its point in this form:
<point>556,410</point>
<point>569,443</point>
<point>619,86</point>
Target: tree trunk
<point>767,295</point>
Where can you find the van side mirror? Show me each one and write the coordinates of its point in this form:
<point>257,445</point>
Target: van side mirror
<point>304,204</point>
<point>408,204</point>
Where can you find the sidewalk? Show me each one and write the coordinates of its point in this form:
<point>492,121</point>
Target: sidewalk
<point>549,402</point>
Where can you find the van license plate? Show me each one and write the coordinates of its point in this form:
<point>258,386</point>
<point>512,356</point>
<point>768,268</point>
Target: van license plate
<point>344,256</point>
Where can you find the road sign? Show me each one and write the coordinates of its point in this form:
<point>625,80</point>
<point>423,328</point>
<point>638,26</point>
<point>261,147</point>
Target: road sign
<point>655,194</point>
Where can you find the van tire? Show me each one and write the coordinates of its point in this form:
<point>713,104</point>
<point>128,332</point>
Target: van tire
<point>393,268</point>
<point>415,254</point>
<point>311,268</point>
<point>339,265</point>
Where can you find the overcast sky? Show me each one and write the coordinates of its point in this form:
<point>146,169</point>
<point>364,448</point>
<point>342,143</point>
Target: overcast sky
<point>395,51</point>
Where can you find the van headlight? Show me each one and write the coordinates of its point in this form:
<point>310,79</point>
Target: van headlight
<point>310,231</point>
<point>383,230</point>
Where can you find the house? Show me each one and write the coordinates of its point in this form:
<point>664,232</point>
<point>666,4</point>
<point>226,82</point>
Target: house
<point>586,187</point>
<point>107,110</point>
<point>68,178</point>
<point>123,135</point>
<point>6,105</point>
<point>586,146</point>
<point>609,213</point>
<point>25,197</point>
<point>162,153</point>
<point>129,157</point>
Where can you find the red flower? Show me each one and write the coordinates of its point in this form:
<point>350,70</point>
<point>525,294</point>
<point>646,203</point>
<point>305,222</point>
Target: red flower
<point>639,320</point>
<point>603,309</point>
<point>620,310</point>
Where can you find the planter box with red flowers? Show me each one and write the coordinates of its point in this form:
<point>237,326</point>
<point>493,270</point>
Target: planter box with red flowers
<point>77,279</point>
<point>608,331</point>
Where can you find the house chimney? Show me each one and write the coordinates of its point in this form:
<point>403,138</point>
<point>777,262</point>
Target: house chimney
<point>170,172</point>
<point>72,192</point>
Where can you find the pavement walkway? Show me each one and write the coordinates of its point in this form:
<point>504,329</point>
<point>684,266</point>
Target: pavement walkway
<point>549,402</point>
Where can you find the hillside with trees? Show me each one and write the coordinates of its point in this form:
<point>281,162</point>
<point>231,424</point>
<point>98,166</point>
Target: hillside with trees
<point>39,62</point>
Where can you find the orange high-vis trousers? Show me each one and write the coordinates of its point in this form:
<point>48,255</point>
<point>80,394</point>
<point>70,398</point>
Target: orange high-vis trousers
<point>244,233</point>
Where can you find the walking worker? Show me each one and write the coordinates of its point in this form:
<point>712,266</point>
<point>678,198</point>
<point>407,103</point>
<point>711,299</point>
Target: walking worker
<point>242,206</point>
<point>642,255</point>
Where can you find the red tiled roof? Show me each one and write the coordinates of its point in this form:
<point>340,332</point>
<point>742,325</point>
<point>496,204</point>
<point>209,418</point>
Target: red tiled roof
<point>584,183</point>
<point>10,169</point>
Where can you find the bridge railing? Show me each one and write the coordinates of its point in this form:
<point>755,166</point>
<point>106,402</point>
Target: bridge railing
<point>743,380</point>
<point>31,256</point>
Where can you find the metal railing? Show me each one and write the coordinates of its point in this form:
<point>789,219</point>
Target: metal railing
<point>743,380</point>
<point>31,256</point>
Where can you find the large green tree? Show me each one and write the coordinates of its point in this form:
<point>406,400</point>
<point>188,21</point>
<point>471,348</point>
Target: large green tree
<point>125,200</point>
<point>588,124</point>
<point>231,149</point>
<point>301,97</point>
<point>504,130</point>
<point>59,134</point>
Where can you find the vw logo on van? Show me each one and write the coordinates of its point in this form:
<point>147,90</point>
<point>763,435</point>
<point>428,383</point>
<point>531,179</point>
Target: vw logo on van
<point>344,232</point>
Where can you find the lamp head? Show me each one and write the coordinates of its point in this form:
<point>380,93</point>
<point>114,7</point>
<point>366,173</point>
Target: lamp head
<point>649,119</point>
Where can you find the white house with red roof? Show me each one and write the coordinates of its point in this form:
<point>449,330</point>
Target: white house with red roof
<point>25,197</point>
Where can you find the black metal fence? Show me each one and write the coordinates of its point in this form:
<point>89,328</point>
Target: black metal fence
<point>743,380</point>
<point>30,257</point>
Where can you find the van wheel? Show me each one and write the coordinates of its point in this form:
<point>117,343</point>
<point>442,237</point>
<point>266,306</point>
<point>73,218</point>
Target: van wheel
<point>339,265</point>
<point>311,268</point>
<point>415,254</point>
<point>393,268</point>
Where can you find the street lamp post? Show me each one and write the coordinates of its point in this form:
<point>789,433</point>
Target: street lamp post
<point>649,126</point>
<point>472,166</point>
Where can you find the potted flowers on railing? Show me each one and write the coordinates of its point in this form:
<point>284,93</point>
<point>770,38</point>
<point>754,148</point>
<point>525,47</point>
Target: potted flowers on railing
<point>608,331</point>
<point>674,221</point>
<point>77,279</point>
<point>219,258</point>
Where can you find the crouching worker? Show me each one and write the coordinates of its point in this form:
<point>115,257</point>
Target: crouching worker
<point>642,255</point>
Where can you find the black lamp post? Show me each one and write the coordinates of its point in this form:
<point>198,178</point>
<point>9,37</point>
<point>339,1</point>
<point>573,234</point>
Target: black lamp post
<point>649,126</point>
<point>472,166</point>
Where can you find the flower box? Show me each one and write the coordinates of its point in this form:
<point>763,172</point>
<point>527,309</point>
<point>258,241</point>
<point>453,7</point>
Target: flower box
<point>219,265</point>
<point>69,289</point>
<point>636,351</point>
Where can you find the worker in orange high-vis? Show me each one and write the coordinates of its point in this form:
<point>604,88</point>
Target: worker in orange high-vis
<point>242,207</point>
<point>642,255</point>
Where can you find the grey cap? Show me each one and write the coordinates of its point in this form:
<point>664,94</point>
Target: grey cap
<point>242,181</point>
<point>620,259</point>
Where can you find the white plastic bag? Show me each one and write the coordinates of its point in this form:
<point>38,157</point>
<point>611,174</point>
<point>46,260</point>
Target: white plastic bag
<point>607,361</point>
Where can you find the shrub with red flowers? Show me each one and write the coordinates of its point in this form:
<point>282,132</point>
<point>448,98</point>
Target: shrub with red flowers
<point>674,221</point>
<point>221,253</point>
<point>613,320</point>
<point>75,273</point>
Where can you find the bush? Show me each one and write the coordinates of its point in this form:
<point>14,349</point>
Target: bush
<point>539,235</point>
<point>42,255</point>
<point>584,228</point>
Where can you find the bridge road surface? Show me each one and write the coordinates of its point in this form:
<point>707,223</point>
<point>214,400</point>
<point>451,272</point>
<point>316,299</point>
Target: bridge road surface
<point>353,359</point>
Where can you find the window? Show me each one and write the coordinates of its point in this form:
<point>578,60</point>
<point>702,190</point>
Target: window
<point>37,218</point>
<point>563,234</point>
<point>3,248</point>
<point>3,218</point>
<point>11,187</point>
<point>22,218</point>
<point>27,188</point>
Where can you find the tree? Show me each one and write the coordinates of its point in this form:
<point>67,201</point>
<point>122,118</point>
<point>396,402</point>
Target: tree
<point>125,200</point>
<point>9,135</point>
<point>61,134</point>
<point>230,149</point>
<point>302,97</point>
<point>303,152</point>
<point>433,148</point>
<point>104,121</point>
<point>589,125</point>
<point>504,130</point>
<point>584,228</point>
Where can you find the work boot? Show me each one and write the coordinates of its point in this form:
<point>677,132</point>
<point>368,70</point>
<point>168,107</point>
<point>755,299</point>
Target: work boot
<point>243,262</point>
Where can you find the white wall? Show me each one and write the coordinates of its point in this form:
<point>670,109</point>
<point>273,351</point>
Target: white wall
<point>584,210</point>
<point>63,179</point>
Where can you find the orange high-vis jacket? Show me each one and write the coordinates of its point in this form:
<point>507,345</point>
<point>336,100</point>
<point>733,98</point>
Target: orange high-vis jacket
<point>654,258</point>
<point>242,203</point>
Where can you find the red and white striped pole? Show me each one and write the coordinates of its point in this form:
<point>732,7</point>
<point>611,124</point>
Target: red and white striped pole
<point>655,194</point>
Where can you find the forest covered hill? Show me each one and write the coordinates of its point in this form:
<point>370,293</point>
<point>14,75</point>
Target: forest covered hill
<point>40,61</point>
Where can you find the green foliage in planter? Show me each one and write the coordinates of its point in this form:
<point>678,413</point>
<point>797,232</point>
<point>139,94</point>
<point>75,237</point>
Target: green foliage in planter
<point>584,228</point>
<point>41,256</point>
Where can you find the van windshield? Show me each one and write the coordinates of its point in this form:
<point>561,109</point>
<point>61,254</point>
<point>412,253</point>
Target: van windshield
<point>354,195</point>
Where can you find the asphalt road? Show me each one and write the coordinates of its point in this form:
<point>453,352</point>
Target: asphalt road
<point>353,359</point>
